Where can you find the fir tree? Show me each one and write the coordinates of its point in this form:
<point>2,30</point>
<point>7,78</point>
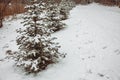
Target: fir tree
<point>65,6</point>
<point>53,13</point>
<point>36,47</point>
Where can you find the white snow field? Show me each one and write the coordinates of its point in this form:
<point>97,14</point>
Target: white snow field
<point>91,41</point>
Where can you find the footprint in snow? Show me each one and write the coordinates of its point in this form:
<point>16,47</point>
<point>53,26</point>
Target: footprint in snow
<point>83,58</point>
<point>117,51</point>
<point>4,37</point>
<point>105,47</point>
<point>11,40</point>
<point>103,76</point>
<point>91,57</point>
<point>89,71</point>
<point>89,42</point>
<point>6,46</point>
<point>79,48</point>
<point>77,35</point>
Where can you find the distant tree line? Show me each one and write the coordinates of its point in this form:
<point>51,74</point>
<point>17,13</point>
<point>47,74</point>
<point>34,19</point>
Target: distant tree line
<point>106,2</point>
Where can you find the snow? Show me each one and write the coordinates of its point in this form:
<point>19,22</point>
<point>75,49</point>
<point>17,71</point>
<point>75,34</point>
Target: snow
<point>91,41</point>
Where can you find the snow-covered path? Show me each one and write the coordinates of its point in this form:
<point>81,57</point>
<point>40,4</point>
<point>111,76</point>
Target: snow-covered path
<point>92,43</point>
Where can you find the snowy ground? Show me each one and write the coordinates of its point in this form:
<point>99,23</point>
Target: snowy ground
<point>91,41</point>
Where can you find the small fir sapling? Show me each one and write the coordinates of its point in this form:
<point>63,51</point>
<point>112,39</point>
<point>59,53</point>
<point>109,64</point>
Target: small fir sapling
<point>54,17</point>
<point>36,47</point>
<point>65,6</point>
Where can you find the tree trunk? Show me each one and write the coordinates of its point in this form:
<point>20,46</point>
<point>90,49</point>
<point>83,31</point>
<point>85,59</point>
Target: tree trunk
<point>119,4</point>
<point>1,20</point>
<point>1,24</point>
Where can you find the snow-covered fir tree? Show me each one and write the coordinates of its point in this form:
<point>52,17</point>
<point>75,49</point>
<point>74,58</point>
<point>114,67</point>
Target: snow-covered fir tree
<point>54,16</point>
<point>36,47</point>
<point>65,6</point>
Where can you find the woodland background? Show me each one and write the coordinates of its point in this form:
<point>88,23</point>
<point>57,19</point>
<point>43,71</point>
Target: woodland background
<point>12,7</point>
